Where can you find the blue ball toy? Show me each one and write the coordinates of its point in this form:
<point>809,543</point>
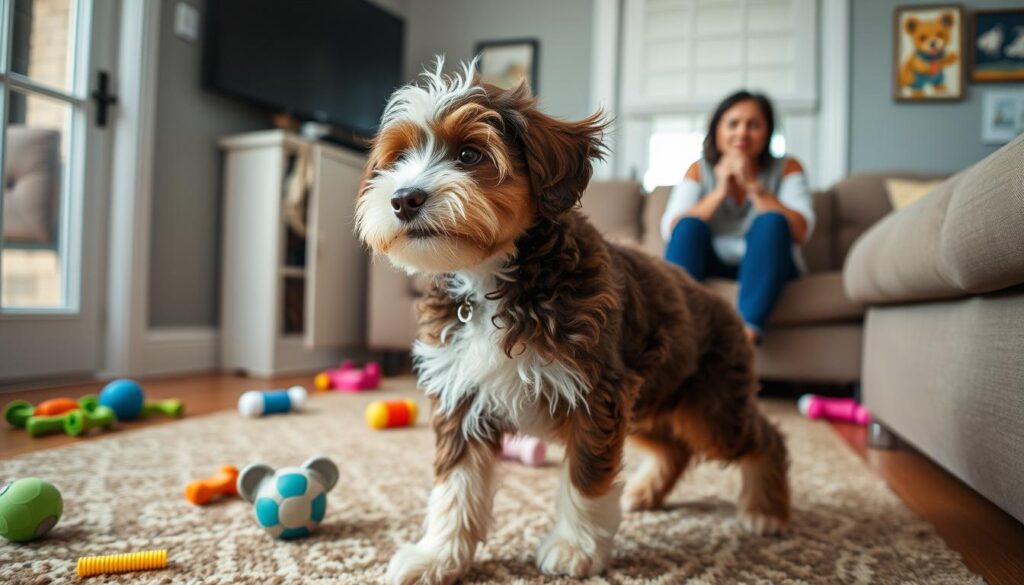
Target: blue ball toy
<point>124,397</point>
<point>292,501</point>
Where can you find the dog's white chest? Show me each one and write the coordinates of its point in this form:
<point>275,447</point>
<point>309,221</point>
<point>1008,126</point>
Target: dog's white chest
<point>470,365</point>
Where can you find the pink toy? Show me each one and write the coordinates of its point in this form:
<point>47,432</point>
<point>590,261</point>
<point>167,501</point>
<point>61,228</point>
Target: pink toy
<point>529,450</point>
<point>837,409</point>
<point>349,378</point>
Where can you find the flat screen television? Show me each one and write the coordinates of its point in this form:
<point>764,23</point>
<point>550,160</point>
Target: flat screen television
<point>329,61</point>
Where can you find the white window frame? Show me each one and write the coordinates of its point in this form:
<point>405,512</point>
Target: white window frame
<point>803,98</point>
<point>613,76</point>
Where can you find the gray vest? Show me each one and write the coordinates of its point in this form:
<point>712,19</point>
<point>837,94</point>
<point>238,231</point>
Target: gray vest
<point>730,222</point>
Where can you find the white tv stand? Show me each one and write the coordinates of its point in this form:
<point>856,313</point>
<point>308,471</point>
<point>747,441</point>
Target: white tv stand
<point>289,305</point>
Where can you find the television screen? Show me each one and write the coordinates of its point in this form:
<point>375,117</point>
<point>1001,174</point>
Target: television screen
<point>332,61</point>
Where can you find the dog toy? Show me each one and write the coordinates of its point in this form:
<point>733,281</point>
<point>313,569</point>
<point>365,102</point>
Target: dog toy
<point>262,402</point>
<point>349,378</point>
<point>529,450</point>
<point>292,501</point>
<point>55,406</point>
<point>836,409</point>
<point>387,414</point>
<point>17,412</point>
<point>203,491</point>
<point>90,414</point>
<point>137,561</point>
<point>29,508</point>
<point>125,397</point>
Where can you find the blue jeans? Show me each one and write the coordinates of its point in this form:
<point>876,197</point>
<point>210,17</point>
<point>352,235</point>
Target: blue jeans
<point>764,270</point>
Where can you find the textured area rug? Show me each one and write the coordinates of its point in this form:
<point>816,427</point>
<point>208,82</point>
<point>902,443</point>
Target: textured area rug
<point>124,493</point>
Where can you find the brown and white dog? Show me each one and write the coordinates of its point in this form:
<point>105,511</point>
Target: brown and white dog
<point>535,323</point>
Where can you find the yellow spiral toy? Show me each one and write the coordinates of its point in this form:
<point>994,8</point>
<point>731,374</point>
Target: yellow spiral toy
<point>137,561</point>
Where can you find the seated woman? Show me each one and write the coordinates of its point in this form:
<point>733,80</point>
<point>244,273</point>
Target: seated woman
<point>741,213</point>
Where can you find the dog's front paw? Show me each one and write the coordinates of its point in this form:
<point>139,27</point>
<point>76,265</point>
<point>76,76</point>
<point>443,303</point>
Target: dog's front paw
<point>418,565</point>
<point>762,524</point>
<point>559,555</point>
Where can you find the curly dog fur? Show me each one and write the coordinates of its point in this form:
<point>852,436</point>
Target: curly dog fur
<point>571,337</point>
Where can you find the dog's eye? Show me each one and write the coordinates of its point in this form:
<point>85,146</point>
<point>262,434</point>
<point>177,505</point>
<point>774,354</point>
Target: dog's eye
<point>469,156</point>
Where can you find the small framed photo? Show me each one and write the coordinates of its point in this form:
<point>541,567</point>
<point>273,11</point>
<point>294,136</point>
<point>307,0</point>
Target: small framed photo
<point>508,62</point>
<point>928,53</point>
<point>997,40</point>
<point>1002,116</point>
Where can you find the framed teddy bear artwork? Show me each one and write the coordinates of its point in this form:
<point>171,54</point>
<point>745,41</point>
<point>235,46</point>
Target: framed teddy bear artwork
<point>928,53</point>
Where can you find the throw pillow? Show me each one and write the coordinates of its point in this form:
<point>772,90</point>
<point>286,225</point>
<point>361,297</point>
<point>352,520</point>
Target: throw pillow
<point>903,192</point>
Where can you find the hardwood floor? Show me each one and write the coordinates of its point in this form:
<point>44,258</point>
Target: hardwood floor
<point>990,541</point>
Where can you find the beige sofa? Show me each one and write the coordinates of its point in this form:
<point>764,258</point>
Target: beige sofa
<point>815,331</point>
<point>943,280</point>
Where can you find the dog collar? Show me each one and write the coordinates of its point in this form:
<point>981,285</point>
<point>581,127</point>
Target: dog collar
<point>465,312</point>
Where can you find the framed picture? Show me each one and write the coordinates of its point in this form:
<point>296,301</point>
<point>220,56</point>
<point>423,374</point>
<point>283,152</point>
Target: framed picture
<point>928,53</point>
<point>1002,116</point>
<point>506,63</point>
<point>997,43</point>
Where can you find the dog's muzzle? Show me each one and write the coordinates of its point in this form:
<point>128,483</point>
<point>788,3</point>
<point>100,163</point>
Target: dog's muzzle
<point>408,202</point>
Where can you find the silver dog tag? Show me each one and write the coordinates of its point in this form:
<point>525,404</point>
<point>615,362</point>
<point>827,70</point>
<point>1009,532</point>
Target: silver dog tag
<point>465,311</point>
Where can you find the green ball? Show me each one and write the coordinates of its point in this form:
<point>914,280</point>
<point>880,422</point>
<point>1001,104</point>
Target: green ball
<point>29,508</point>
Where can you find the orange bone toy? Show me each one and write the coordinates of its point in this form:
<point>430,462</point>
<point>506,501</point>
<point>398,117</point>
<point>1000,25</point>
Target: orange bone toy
<point>56,406</point>
<point>203,491</point>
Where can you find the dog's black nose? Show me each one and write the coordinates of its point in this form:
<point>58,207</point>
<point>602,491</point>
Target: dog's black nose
<point>408,202</point>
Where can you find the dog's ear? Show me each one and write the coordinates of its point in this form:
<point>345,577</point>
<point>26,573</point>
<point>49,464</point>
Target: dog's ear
<point>911,25</point>
<point>558,153</point>
<point>947,19</point>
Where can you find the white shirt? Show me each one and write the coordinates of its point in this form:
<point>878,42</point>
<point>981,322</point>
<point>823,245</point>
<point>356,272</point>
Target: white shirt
<point>730,222</point>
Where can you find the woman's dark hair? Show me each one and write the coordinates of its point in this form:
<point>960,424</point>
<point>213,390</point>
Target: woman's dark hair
<point>711,152</point>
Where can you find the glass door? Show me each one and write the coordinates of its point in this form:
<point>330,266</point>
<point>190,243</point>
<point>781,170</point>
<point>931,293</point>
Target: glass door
<point>56,159</point>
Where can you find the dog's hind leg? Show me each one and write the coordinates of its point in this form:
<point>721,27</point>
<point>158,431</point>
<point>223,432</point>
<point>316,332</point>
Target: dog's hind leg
<point>665,460</point>
<point>719,417</point>
<point>764,505</point>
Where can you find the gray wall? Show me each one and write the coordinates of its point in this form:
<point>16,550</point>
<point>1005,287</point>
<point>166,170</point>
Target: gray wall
<point>563,27</point>
<point>885,134</point>
<point>184,273</point>
<point>186,223</point>
<point>184,268</point>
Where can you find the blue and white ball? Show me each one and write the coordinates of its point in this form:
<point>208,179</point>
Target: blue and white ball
<point>291,505</point>
<point>292,501</point>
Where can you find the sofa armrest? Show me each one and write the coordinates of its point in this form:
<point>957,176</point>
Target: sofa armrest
<point>963,238</point>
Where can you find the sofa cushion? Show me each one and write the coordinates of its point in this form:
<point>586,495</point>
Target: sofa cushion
<point>32,171</point>
<point>614,207</point>
<point>654,208</point>
<point>964,238</point>
<point>819,250</point>
<point>861,200</point>
<point>815,298</point>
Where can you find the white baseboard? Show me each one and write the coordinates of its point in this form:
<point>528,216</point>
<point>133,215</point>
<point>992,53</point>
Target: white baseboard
<point>174,350</point>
